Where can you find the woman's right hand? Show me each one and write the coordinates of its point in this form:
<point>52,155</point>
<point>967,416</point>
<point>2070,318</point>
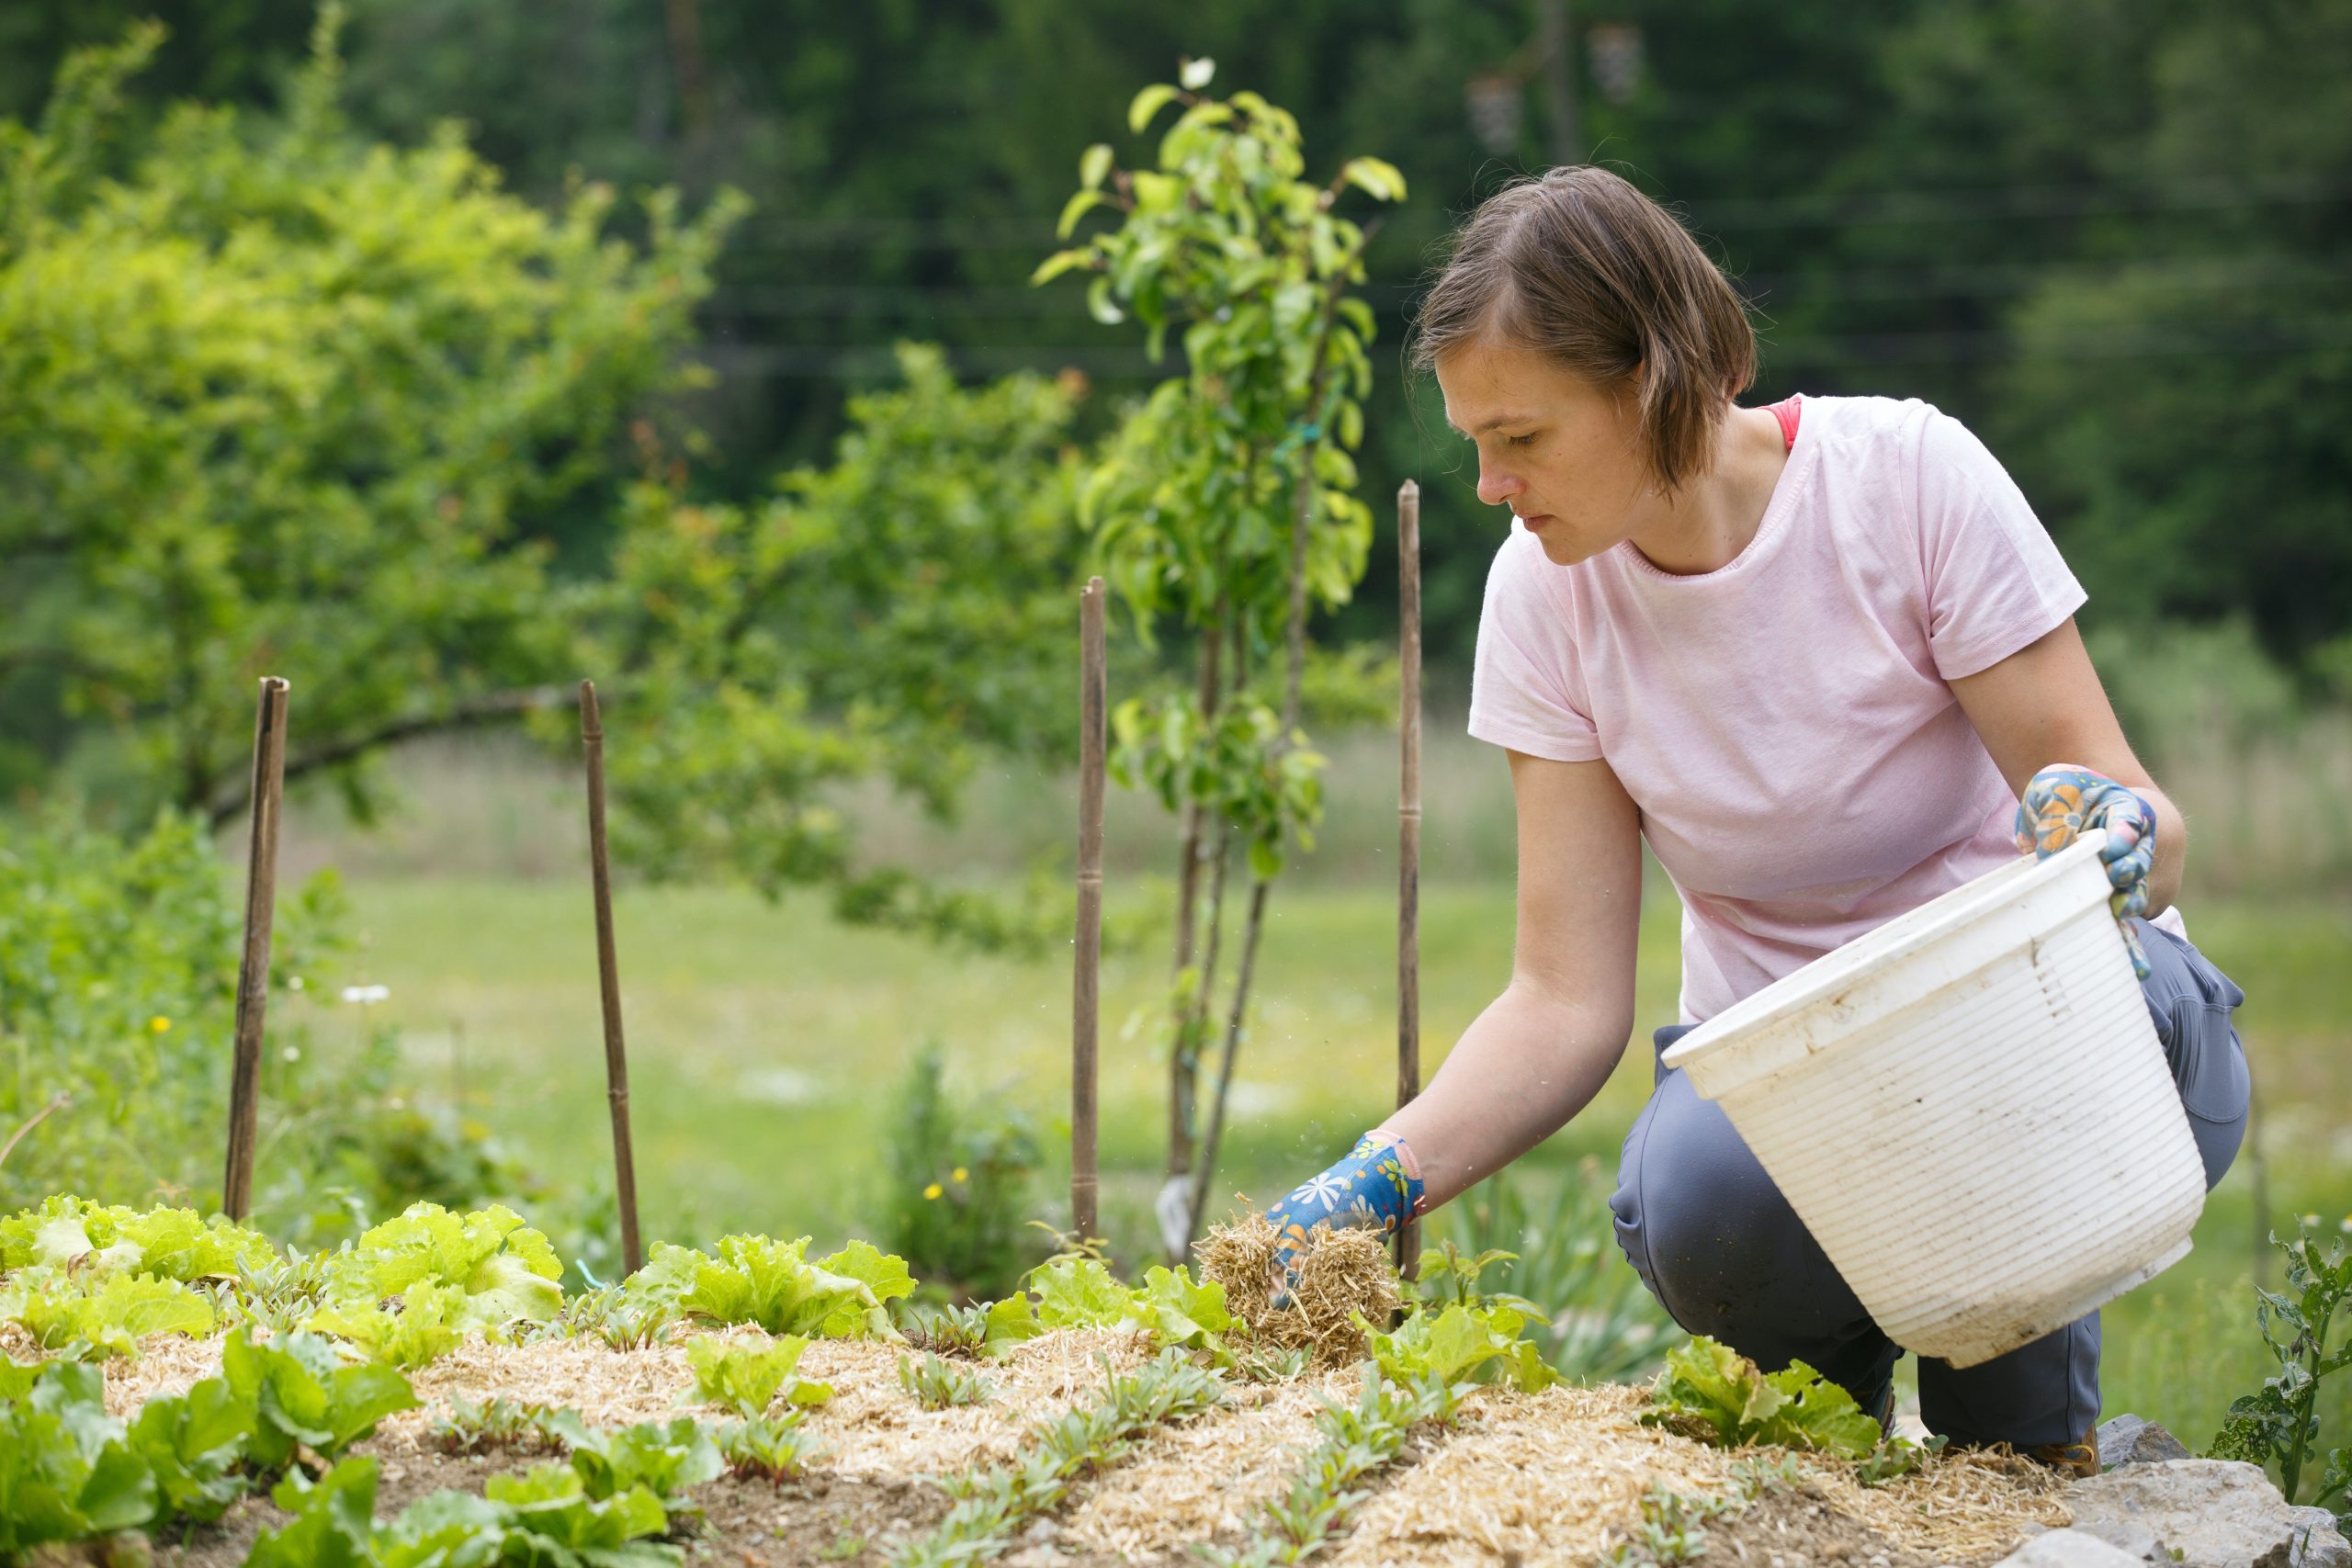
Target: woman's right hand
<point>1379,1183</point>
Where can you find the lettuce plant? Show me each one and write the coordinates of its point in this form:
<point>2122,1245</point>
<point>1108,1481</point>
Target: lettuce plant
<point>774,1449</point>
<point>506,1269</point>
<point>172,1244</point>
<point>430,1322</point>
<point>546,1515</point>
<point>773,1284</point>
<point>747,1378</point>
<point>1081,1293</point>
<point>663,1458</point>
<point>101,1313</point>
<point>1715,1389</point>
<point>304,1394</point>
<point>66,1472</point>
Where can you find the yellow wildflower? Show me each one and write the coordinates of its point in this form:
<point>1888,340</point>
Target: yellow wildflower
<point>932,1190</point>
<point>959,1174</point>
<point>159,1024</point>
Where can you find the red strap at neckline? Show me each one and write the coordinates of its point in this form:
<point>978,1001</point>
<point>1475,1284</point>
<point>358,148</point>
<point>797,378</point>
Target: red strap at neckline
<point>1787,411</point>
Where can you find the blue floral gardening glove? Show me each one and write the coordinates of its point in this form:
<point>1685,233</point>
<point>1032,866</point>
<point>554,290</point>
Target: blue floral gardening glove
<point>2062,800</point>
<point>1379,1183</point>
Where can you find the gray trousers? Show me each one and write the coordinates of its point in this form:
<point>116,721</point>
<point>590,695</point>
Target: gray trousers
<point>1724,1253</point>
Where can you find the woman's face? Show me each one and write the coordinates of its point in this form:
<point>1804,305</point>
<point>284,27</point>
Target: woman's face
<point>1562,455</point>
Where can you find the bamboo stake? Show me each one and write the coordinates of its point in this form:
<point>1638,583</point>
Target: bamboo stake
<point>253,967</point>
<point>592,733</point>
<point>1408,829</point>
<point>1085,982</point>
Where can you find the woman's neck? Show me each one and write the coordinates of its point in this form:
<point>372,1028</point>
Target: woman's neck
<point>1706,526</point>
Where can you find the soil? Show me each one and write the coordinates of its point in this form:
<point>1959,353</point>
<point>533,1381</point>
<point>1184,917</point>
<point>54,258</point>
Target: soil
<point>1798,1529</point>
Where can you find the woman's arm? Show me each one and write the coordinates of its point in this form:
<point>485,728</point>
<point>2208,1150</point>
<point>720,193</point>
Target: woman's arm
<point>1542,1049</point>
<point>2043,704</point>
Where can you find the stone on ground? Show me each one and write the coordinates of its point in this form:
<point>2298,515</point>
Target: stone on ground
<point>2128,1440</point>
<point>2070,1549</point>
<point>2212,1513</point>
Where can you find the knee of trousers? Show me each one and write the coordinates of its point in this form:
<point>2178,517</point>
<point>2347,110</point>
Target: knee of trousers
<point>1710,1234</point>
<point>2190,1002</point>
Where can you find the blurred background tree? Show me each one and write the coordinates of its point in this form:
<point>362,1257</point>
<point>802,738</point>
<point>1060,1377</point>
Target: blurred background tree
<point>2099,233</point>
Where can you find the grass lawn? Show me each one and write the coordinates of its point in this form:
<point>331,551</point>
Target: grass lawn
<point>766,1043</point>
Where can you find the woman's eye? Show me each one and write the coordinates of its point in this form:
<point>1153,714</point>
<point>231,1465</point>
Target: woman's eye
<point>1526,440</point>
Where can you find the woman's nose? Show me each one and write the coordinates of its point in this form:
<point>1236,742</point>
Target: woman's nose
<point>1495,487</point>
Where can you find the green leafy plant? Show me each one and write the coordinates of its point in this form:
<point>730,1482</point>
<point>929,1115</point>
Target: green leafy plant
<point>466,1427</point>
<point>66,1472</point>
<point>1711,1389</point>
<point>663,1458</point>
<point>1074,1291</point>
<point>100,1315</point>
<point>195,1445</point>
<point>772,1448</point>
<point>1227,505</point>
<point>747,1378</point>
<point>428,1322</point>
<point>623,1318</point>
<point>545,1516</point>
<point>2278,1425</point>
<point>503,1268</point>
<point>172,1244</point>
<point>989,1330</point>
<point>306,1395</point>
<point>772,1285</point>
<point>1356,1440</point>
<point>958,1179</point>
<point>1591,1315</point>
<point>1459,1335</point>
<point>1670,1529</point>
<point>1460,1347</point>
<point>937,1384</point>
<point>1270,1363</point>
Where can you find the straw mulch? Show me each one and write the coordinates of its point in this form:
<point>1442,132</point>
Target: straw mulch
<point>1207,1478</point>
<point>1558,1477</point>
<point>1341,1272</point>
<point>872,1425</point>
<point>1555,1477</point>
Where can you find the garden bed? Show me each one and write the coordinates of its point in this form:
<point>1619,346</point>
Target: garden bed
<point>1557,1476</point>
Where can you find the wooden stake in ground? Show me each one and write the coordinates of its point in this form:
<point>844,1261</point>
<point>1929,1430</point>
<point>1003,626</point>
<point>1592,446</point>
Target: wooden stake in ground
<point>253,967</point>
<point>592,733</point>
<point>1085,985</point>
<point>1408,829</point>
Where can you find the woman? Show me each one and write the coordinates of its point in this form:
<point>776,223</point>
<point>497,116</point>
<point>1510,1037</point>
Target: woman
<point>1814,654</point>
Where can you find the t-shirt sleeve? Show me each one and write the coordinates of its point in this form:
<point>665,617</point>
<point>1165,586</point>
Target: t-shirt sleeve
<point>1521,686</point>
<point>1994,580</point>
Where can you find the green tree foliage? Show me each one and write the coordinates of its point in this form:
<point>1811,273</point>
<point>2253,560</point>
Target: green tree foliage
<point>281,401</point>
<point>1928,198</point>
<point>1226,505</point>
<point>898,614</point>
<point>288,403</point>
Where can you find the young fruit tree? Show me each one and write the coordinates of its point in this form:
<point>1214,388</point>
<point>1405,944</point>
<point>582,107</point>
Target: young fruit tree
<point>1225,507</point>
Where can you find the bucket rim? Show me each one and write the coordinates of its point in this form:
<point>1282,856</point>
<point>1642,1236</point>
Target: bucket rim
<point>1903,937</point>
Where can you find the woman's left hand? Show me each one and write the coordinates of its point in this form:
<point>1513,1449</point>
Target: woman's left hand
<point>2062,800</point>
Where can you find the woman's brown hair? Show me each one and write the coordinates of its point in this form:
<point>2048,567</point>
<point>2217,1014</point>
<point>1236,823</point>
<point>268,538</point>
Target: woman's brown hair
<point>1580,265</point>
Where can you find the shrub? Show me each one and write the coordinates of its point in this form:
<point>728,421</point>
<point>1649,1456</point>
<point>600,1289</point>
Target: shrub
<point>958,1182</point>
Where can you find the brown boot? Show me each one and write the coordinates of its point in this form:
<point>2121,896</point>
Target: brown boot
<point>2079,1458</point>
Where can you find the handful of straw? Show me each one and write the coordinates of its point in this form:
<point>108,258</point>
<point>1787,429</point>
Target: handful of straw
<point>1341,1272</point>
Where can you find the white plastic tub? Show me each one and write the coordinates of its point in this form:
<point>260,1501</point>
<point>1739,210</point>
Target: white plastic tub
<point>1969,1109</point>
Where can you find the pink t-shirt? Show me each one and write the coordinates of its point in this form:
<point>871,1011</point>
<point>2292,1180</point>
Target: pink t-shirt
<point>1784,722</point>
